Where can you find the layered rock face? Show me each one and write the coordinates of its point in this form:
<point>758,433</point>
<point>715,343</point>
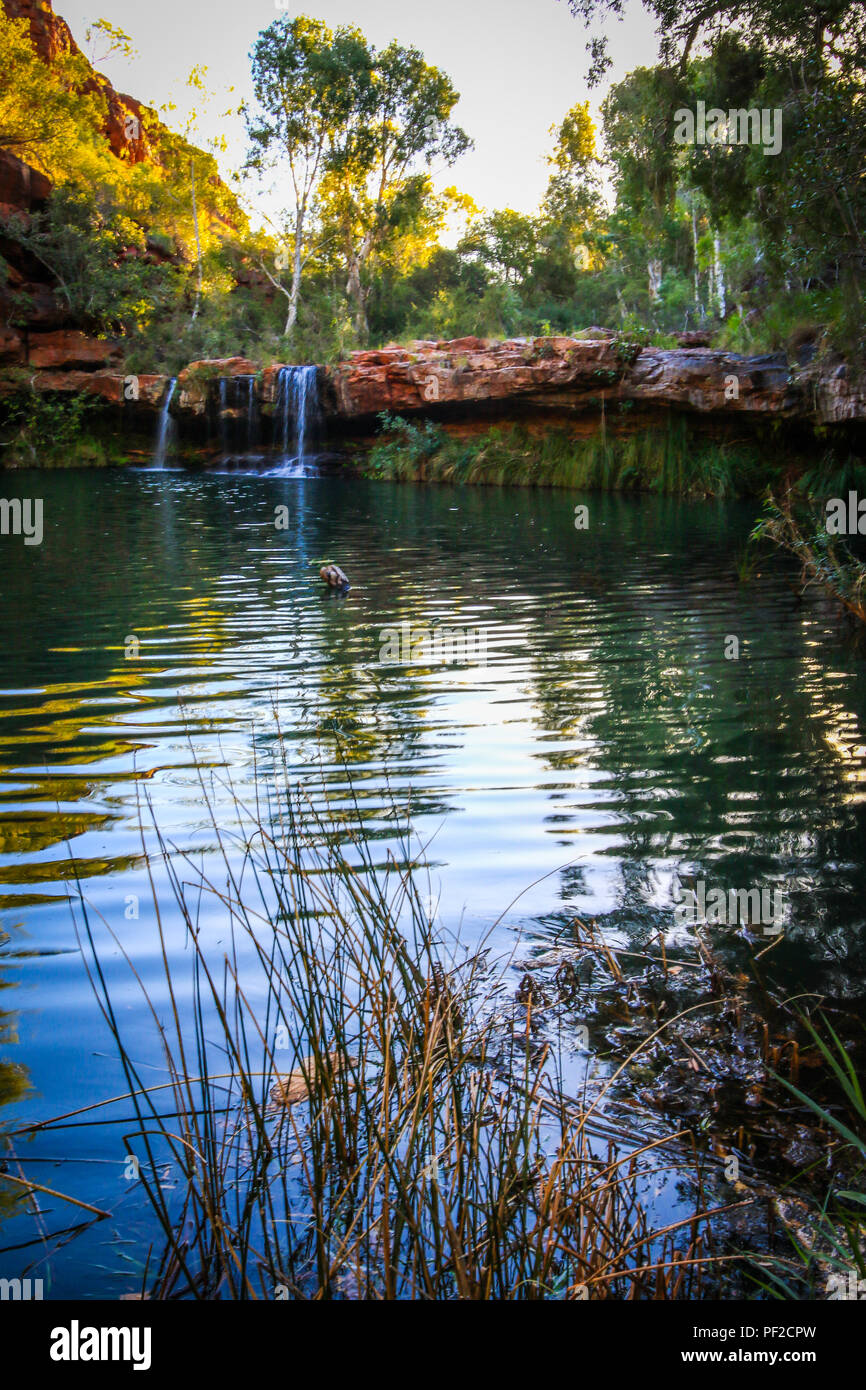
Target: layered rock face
<point>560,374</point>
<point>51,37</point>
<point>474,379</point>
<point>32,307</point>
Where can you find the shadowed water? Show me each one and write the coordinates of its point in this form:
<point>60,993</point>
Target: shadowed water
<point>606,746</point>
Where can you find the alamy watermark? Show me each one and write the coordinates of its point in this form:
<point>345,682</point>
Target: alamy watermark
<point>20,1290</point>
<point>77,1343</point>
<point>846,518</point>
<point>847,1286</point>
<point>22,516</point>
<point>433,646</point>
<point>735,127</point>
<point>753,907</point>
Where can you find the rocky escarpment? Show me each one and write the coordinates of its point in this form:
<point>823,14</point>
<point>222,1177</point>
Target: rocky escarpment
<point>561,375</point>
<point>471,379</point>
<point>568,376</point>
<point>52,38</point>
<point>35,317</point>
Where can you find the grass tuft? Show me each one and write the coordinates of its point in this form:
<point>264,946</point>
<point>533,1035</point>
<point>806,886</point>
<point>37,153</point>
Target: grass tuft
<point>345,1118</point>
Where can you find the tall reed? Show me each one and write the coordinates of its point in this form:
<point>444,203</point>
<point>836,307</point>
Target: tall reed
<point>346,1115</point>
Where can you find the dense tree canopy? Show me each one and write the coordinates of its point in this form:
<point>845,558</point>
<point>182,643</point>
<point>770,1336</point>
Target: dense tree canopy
<point>755,243</point>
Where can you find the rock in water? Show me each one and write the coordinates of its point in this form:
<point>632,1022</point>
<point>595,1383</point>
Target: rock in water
<point>334,577</point>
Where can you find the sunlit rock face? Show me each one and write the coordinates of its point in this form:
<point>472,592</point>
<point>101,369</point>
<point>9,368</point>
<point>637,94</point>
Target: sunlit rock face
<point>52,38</point>
<point>70,349</point>
<point>473,380</point>
<point>424,376</point>
<point>558,373</point>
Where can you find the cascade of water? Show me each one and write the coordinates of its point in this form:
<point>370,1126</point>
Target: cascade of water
<point>283,409</point>
<point>252,415</point>
<point>239,421</point>
<point>224,397</point>
<point>165,429</point>
<point>296,416</point>
<point>306,391</point>
<point>297,407</point>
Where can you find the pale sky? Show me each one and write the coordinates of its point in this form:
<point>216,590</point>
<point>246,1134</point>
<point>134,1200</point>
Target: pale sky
<point>518,65</point>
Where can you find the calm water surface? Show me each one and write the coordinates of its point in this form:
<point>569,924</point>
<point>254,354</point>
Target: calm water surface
<point>606,746</point>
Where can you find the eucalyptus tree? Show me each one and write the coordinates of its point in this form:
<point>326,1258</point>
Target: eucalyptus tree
<point>572,206</point>
<point>310,86</point>
<point>831,33</point>
<point>378,184</point>
<point>638,120</point>
<point>504,243</point>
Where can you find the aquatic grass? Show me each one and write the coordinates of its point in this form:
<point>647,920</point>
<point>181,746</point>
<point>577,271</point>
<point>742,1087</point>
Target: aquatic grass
<point>833,476</point>
<point>667,460</point>
<point>842,1067</point>
<point>834,1254</point>
<point>346,1115</point>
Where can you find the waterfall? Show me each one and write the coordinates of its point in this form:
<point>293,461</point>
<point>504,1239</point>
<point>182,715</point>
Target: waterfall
<point>224,400</point>
<point>165,430</point>
<point>296,419</point>
<point>252,415</point>
<point>238,416</point>
<point>297,409</point>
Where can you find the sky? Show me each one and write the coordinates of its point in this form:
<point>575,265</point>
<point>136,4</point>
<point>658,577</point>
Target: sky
<point>519,65</point>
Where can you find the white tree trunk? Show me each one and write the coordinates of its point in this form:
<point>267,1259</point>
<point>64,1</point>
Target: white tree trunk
<point>297,266</point>
<point>719,275</point>
<point>698,305</point>
<point>654,275</point>
<point>197,240</point>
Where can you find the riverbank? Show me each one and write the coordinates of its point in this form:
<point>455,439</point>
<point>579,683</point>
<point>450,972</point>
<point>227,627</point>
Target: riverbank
<point>670,458</point>
<point>688,419</point>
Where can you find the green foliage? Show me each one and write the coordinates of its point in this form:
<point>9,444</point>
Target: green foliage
<point>762,252</point>
<point>833,476</point>
<point>405,448</point>
<point>96,254</point>
<point>148,251</point>
<point>669,460</point>
<point>49,116</point>
<point>48,431</point>
<point>836,1250</point>
<point>794,523</point>
<point>351,129</point>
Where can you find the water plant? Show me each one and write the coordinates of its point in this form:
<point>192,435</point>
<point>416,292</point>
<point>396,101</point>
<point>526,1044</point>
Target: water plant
<point>830,1246</point>
<point>669,459</point>
<point>344,1117</point>
<point>49,430</point>
<point>794,524</point>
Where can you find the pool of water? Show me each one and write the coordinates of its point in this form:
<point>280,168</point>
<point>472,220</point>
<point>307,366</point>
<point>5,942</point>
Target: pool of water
<point>595,742</point>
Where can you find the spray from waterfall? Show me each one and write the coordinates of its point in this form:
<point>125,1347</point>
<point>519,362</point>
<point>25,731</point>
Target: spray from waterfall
<point>165,432</point>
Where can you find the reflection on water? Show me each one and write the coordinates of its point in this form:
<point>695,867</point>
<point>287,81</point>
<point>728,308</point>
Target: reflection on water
<point>606,747</point>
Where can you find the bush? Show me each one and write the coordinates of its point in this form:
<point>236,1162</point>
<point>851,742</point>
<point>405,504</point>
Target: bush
<point>48,430</point>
